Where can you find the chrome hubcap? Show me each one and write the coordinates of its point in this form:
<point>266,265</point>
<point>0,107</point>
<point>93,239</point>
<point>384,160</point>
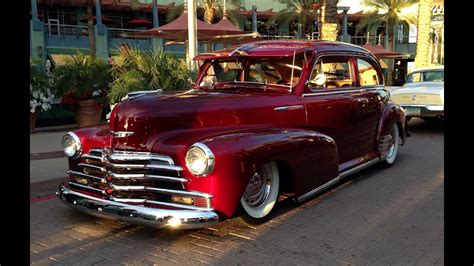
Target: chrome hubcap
<point>257,190</point>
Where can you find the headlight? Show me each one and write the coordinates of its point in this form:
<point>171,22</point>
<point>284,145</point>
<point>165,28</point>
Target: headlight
<point>72,145</point>
<point>199,159</point>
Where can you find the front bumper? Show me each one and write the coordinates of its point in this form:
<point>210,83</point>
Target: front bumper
<point>423,110</point>
<point>153,217</point>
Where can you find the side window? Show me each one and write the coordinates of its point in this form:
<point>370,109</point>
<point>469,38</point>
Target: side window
<point>337,72</point>
<point>367,74</point>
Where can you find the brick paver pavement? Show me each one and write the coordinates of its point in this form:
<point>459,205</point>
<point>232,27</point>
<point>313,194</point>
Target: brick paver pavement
<point>378,216</point>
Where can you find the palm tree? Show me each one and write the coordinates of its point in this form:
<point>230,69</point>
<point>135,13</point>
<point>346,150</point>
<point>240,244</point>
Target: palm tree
<point>330,23</point>
<point>423,36</point>
<point>302,11</point>
<point>392,13</point>
<point>211,10</point>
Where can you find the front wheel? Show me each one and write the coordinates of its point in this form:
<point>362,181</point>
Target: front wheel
<point>393,150</point>
<point>261,193</point>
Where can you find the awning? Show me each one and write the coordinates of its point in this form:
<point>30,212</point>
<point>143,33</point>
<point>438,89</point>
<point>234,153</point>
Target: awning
<point>381,52</point>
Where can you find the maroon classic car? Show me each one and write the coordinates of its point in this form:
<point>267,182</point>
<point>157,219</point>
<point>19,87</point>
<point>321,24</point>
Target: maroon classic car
<point>263,119</point>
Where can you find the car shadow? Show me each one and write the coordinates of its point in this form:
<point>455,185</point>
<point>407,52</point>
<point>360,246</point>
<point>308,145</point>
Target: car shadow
<point>418,125</point>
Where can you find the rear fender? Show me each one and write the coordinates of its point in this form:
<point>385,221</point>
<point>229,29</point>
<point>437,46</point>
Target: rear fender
<point>392,113</point>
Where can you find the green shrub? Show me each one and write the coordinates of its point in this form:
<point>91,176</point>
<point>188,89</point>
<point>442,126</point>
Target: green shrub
<point>136,70</point>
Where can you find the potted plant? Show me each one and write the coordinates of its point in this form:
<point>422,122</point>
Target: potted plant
<point>136,70</point>
<point>83,82</point>
<point>41,96</point>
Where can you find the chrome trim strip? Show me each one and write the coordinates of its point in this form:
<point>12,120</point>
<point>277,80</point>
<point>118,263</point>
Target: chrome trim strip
<point>180,192</point>
<point>93,157</point>
<point>184,206</point>
<point>427,106</point>
<point>359,167</point>
<point>102,169</point>
<point>288,108</point>
<point>127,200</point>
<point>318,189</point>
<point>161,190</point>
<point>96,150</point>
<point>154,217</point>
<point>71,172</point>
<point>337,179</point>
<point>147,166</point>
<point>340,91</point>
<point>86,187</point>
<point>139,157</point>
<point>146,176</point>
<point>120,134</point>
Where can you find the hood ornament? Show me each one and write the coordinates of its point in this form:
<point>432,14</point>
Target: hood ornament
<point>413,98</point>
<point>120,134</point>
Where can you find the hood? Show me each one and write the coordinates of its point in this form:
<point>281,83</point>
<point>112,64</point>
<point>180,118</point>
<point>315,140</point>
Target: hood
<point>150,114</point>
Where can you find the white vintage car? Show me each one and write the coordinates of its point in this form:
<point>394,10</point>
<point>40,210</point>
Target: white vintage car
<point>423,93</point>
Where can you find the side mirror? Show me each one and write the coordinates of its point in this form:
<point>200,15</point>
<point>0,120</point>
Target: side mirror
<point>319,80</point>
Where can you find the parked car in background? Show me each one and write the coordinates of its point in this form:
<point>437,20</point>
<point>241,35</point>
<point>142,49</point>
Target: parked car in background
<point>263,119</point>
<point>423,93</point>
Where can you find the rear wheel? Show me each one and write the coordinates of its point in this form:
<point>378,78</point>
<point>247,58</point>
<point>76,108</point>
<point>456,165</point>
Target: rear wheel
<point>261,194</point>
<point>393,150</point>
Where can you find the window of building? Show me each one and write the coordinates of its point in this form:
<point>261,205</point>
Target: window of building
<point>337,71</point>
<point>367,73</point>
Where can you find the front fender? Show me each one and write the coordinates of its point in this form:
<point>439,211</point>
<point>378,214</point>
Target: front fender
<point>310,156</point>
<point>93,137</point>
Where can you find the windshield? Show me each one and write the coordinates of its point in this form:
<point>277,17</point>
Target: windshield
<point>424,76</point>
<point>269,71</point>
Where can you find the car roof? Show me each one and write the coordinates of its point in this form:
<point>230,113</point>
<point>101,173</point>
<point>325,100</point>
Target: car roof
<point>284,48</point>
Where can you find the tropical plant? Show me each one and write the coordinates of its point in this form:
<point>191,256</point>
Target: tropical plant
<point>137,70</point>
<point>302,11</point>
<point>212,10</point>
<point>390,12</point>
<point>424,35</point>
<point>82,77</point>
<point>41,94</point>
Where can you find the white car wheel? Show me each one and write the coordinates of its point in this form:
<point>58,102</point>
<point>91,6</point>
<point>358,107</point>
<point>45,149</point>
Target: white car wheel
<point>261,192</point>
<point>393,150</point>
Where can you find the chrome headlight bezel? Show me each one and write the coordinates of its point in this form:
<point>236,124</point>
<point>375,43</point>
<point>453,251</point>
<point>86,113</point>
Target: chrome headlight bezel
<point>208,157</point>
<point>77,144</point>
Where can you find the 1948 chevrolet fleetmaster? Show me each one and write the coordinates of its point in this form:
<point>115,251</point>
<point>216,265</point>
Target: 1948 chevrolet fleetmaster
<point>263,119</point>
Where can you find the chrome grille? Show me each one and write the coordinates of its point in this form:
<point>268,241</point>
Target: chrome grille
<point>138,178</point>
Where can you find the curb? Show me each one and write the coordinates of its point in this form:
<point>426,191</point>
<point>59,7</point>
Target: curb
<point>46,155</point>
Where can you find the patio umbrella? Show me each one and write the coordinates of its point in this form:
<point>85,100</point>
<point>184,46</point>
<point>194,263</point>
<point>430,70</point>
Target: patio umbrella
<point>177,30</point>
<point>139,22</point>
<point>381,52</point>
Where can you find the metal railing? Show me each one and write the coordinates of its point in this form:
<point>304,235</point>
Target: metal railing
<point>116,32</point>
<point>313,36</point>
<point>63,29</point>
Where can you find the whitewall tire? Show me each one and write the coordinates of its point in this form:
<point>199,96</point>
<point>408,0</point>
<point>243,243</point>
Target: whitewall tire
<point>393,150</point>
<point>261,193</point>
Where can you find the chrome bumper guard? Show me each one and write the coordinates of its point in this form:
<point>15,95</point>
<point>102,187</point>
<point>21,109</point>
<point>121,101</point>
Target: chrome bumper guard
<point>152,217</point>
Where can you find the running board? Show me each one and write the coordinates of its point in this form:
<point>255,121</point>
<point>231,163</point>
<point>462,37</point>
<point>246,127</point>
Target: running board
<point>337,179</point>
